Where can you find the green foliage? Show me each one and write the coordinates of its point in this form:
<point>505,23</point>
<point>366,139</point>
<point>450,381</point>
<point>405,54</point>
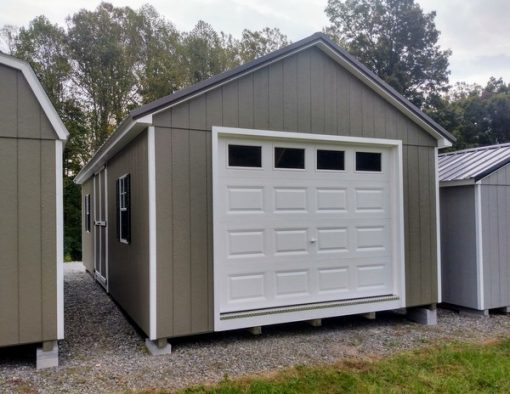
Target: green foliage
<point>450,368</point>
<point>396,40</point>
<point>476,115</point>
<point>255,44</point>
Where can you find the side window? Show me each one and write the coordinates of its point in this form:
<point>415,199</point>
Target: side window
<point>368,161</point>
<point>330,160</point>
<point>244,156</point>
<point>86,207</point>
<point>289,158</point>
<point>124,209</point>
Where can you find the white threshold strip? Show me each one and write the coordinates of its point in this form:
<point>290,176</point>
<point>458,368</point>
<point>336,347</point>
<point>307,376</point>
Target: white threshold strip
<point>307,307</point>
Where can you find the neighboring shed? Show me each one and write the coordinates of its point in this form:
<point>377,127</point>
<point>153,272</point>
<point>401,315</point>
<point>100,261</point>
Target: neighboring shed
<point>475,231</point>
<point>31,223</point>
<point>298,186</point>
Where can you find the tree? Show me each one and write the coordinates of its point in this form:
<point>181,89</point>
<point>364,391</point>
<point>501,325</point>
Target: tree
<point>476,115</point>
<point>255,44</point>
<point>396,40</point>
<point>104,46</point>
<point>206,53</point>
<point>158,71</point>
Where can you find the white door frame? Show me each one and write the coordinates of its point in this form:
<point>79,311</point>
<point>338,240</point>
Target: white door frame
<point>103,280</point>
<point>321,310</point>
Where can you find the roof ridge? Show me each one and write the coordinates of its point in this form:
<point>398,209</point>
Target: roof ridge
<point>475,149</point>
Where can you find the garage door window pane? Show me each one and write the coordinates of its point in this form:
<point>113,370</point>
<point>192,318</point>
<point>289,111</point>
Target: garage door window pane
<point>289,158</point>
<point>330,160</point>
<point>368,161</point>
<point>244,156</point>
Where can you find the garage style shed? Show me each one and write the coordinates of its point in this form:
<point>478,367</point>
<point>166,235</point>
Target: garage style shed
<point>295,187</point>
<point>31,223</point>
<point>475,240</point>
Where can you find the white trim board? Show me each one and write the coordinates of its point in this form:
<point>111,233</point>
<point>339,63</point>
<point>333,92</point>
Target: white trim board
<point>479,246</point>
<point>399,300</point>
<point>60,237</point>
<point>39,92</point>
<point>151,144</point>
<point>438,229</point>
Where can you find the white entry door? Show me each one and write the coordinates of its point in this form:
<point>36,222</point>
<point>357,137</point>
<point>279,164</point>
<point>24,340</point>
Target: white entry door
<point>100,227</point>
<point>303,221</point>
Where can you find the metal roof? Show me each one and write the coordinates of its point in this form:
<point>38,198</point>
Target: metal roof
<point>473,164</point>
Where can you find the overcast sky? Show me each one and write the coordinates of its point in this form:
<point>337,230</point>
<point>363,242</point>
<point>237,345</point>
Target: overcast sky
<point>477,31</point>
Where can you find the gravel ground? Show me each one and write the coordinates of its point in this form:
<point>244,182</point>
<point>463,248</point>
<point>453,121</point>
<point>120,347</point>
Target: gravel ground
<point>103,352</point>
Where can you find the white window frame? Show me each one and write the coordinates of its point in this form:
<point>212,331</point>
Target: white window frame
<point>122,206</point>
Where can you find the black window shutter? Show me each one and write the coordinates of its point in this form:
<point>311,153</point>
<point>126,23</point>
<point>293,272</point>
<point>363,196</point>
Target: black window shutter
<point>117,205</point>
<point>128,206</point>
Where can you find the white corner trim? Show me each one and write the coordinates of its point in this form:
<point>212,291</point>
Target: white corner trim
<point>479,246</point>
<point>438,229</point>
<point>39,92</point>
<point>60,237</point>
<point>151,147</point>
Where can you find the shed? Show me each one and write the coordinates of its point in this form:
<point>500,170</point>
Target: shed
<point>475,240</point>
<point>295,187</point>
<point>31,223</point>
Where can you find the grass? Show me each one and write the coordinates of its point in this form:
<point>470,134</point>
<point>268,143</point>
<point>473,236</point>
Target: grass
<point>449,368</point>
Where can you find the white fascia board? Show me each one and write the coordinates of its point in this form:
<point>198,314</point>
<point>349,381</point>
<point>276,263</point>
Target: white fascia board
<point>60,236</point>
<point>39,92</point>
<point>119,139</point>
<point>151,147</point>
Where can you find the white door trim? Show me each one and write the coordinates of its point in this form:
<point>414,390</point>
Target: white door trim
<point>479,245</point>
<point>397,218</point>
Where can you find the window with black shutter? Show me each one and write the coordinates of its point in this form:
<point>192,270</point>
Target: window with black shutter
<point>124,209</point>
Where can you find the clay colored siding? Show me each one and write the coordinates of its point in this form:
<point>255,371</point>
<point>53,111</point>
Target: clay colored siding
<point>87,238</point>
<point>458,246</point>
<point>306,92</point>
<point>495,198</point>
<point>128,265</point>
<point>28,289</point>
<point>28,263</point>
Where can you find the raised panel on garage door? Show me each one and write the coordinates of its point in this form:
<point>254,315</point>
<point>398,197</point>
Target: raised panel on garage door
<point>292,236</point>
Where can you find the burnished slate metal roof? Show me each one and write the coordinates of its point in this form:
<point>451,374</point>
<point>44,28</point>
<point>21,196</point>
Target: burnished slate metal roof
<point>472,164</point>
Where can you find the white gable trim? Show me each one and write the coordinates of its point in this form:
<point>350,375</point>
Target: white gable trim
<point>39,92</point>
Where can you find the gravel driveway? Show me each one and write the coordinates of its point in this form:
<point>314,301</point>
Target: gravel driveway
<point>103,352</point>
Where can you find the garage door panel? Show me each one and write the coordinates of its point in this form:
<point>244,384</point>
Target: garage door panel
<point>287,237</point>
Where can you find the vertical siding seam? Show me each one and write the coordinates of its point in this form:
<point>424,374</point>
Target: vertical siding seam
<point>190,229</point>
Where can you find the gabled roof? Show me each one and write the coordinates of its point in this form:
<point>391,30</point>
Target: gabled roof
<point>143,115</point>
<point>471,165</point>
<point>39,92</point>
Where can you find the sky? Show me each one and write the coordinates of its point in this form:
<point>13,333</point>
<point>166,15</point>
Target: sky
<point>477,31</point>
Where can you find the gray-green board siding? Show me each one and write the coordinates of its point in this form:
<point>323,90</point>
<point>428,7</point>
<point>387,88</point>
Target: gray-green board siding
<point>87,238</point>
<point>21,114</point>
<point>458,246</point>
<point>306,92</point>
<point>495,199</point>
<point>128,264</point>
<point>28,267</point>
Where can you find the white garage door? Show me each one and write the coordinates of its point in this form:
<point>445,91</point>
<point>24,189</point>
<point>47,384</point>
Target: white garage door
<point>300,222</point>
